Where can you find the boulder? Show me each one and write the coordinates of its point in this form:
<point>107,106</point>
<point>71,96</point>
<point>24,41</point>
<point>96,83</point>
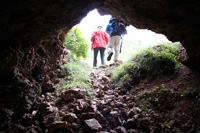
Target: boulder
<point>70,117</point>
<point>134,111</point>
<point>106,110</point>
<point>133,131</point>
<point>72,93</point>
<point>93,125</point>
<point>58,125</point>
<point>121,129</point>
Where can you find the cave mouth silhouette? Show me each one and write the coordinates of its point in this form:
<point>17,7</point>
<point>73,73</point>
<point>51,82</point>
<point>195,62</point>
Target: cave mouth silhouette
<point>138,37</point>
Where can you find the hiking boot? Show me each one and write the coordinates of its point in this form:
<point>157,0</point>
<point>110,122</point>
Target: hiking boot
<point>109,56</point>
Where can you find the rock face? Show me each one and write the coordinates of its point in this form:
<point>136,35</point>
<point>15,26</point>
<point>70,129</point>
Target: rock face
<point>31,36</point>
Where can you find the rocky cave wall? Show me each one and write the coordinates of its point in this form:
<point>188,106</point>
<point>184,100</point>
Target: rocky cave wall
<point>31,36</point>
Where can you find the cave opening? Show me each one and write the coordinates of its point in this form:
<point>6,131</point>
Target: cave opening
<point>31,37</point>
<point>135,38</point>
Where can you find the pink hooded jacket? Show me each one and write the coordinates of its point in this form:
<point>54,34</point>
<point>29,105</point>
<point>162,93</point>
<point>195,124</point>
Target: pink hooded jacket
<point>99,39</point>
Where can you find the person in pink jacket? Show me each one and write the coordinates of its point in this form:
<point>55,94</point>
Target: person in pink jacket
<point>99,41</point>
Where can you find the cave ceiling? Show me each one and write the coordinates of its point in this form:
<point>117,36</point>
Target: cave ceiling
<point>34,21</point>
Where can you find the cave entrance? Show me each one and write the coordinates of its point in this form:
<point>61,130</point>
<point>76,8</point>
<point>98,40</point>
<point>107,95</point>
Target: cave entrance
<point>133,42</point>
<point>135,39</point>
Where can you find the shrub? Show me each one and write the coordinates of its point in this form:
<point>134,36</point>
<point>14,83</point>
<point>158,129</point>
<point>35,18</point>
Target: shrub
<point>150,62</point>
<point>76,43</point>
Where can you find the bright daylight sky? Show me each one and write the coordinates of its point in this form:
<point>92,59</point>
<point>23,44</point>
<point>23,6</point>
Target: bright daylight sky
<point>94,19</point>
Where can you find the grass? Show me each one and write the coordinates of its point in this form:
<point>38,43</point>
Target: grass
<point>152,62</point>
<point>76,75</point>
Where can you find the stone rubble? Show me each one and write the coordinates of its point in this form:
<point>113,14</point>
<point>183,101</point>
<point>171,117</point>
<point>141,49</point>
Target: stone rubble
<point>110,111</point>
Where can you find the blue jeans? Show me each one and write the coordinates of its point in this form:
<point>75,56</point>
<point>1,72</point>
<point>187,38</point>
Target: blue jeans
<point>102,52</point>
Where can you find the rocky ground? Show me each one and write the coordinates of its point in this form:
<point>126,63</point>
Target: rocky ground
<point>168,105</point>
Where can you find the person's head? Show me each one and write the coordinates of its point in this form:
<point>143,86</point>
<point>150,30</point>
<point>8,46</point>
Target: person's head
<point>99,28</point>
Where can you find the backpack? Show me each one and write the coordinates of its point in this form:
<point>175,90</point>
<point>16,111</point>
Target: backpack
<point>118,27</point>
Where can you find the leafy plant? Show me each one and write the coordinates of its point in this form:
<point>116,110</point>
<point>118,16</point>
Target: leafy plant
<point>76,44</point>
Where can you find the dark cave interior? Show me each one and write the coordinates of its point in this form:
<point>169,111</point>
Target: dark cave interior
<point>32,32</point>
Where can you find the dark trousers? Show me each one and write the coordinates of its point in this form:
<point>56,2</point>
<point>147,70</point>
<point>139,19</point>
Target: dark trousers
<point>102,52</point>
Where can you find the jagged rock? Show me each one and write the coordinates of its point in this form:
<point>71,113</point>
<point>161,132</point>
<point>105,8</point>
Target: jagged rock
<point>131,123</point>
<point>72,93</point>
<point>58,125</point>
<point>5,117</point>
<point>92,125</point>
<point>123,112</point>
<point>118,105</point>
<point>70,117</point>
<point>74,126</point>
<point>87,115</point>
<point>27,118</point>
<point>105,79</point>
<point>50,118</point>
<point>6,113</point>
<point>33,129</point>
<point>144,123</point>
<point>44,108</point>
<point>114,113</point>
<point>134,111</point>
<point>120,129</point>
<point>113,121</point>
<point>133,131</point>
<point>101,86</point>
<point>106,110</point>
<point>100,94</point>
<point>98,116</point>
<point>83,106</point>
<point>77,109</point>
<point>103,66</point>
<point>112,131</point>
<point>130,105</point>
<point>95,84</point>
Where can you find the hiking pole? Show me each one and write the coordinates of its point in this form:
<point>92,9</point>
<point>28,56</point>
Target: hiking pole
<point>121,47</point>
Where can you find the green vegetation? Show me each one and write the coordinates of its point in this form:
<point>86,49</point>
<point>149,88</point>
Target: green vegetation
<point>76,75</point>
<point>76,43</point>
<point>150,62</point>
<point>76,72</point>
